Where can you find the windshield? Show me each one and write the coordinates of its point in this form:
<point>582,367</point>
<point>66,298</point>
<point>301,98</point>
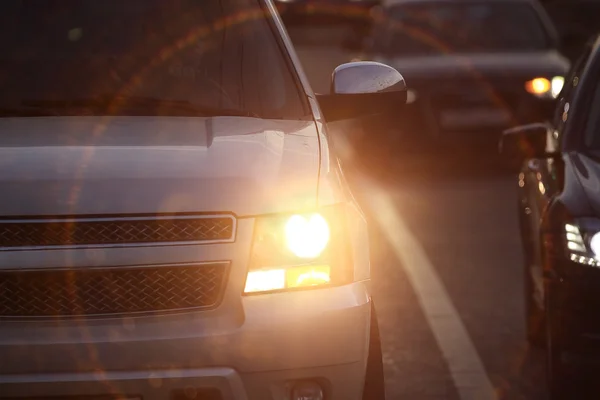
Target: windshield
<point>461,27</point>
<point>143,57</point>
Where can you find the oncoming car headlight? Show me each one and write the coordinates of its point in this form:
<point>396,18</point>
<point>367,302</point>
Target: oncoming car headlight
<point>544,87</point>
<point>306,236</point>
<point>556,86</point>
<point>296,251</point>
<point>583,242</point>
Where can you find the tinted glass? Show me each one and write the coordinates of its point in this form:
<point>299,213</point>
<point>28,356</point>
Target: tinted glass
<point>592,129</point>
<point>566,96</point>
<point>461,27</point>
<point>592,123</point>
<point>143,57</point>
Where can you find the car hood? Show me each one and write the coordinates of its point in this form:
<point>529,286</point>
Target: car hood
<point>132,165</point>
<point>526,65</point>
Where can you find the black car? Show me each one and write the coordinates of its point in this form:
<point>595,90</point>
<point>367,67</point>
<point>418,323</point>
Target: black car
<point>559,213</point>
<point>471,65</point>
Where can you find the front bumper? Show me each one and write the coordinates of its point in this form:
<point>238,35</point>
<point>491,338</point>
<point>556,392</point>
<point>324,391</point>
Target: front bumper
<point>574,303</point>
<point>339,383</point>
<point>276,340</point>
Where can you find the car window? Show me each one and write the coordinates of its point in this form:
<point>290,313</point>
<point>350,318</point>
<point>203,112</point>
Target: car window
<point>566,96</point>
<point>592,128</point>
<point>461,27</point>
<point>176,57</point>
<point>592,123</point>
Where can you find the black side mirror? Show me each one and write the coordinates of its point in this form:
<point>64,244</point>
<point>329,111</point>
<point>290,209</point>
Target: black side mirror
<point>361,89</point>
<point>526,141</point>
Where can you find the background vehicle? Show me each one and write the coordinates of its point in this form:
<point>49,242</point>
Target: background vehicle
<point>473,67</point>
<point>559,219</point>
<point>174,221</point>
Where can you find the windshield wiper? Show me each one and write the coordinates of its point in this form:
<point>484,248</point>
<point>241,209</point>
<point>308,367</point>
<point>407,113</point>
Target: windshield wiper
<point>147,106</point>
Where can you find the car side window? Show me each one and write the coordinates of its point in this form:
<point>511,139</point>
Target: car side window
<point>592,125</point>
<point>565,100</point>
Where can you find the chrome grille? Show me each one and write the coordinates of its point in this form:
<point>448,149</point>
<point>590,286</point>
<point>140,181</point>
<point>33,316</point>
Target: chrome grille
<point>110,291</point>
<point>106,231</point>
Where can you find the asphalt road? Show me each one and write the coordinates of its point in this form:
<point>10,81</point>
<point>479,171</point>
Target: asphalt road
<point>459,232</point>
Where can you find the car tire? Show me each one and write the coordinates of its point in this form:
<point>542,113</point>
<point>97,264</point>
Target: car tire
<point>374,387</point>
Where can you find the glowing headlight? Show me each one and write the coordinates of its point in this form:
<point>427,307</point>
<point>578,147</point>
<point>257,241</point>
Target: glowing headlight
<point>307,237</point>
<point>584,248</point>
<point>287,278</point>
<point>265,280</point>
<point>298,251</point>
<point>595,244</point>
<point>574,238</point>
<point>538,86</point>
<point>556,85</point>
<point>544,87</point>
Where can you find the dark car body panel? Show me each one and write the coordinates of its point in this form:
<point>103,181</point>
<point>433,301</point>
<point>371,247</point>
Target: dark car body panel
<point>588,172</point>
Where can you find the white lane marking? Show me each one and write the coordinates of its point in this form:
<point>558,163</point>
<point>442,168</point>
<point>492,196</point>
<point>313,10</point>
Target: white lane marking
<point>468,372</point>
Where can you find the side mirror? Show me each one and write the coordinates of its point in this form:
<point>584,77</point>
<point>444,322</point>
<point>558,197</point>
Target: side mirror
<point>361,89</point>
<point>526,141</point>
